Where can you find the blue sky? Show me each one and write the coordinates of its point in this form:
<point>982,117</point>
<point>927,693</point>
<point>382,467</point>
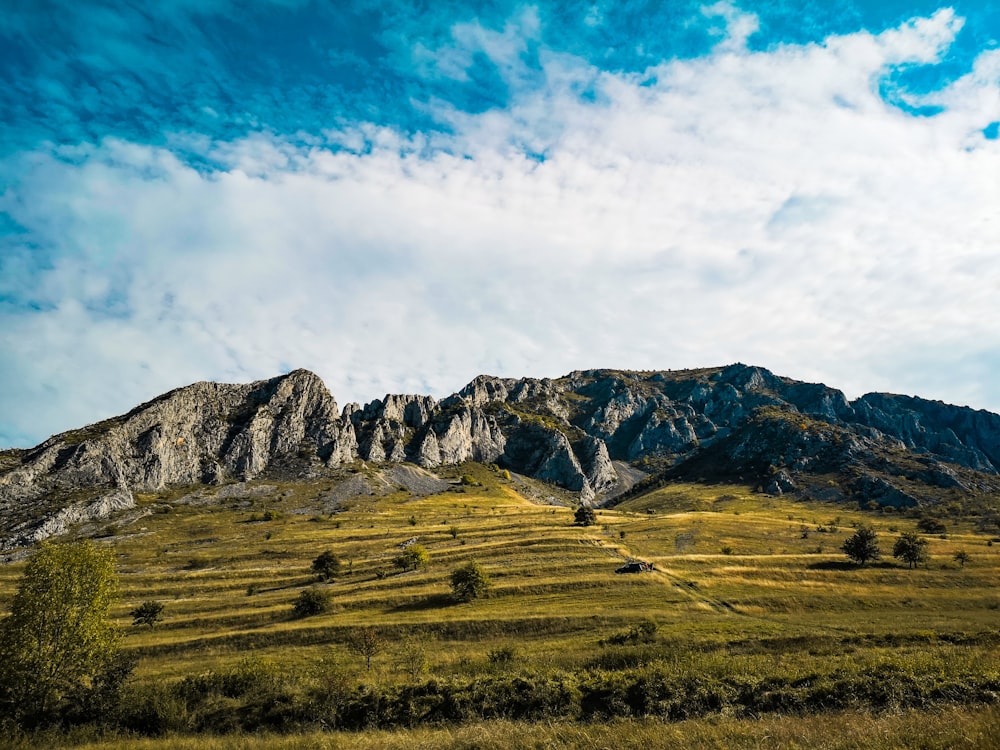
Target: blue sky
<point>400,196</point>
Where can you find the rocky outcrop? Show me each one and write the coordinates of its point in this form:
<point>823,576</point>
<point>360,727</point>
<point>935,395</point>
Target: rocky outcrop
<point>203,433</point>
<point>545,454</point>
<point>966,436</point>
<point>741,423</point>
<point>465,434</point>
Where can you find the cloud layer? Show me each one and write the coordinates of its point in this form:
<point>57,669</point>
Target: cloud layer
<point>791,205</point>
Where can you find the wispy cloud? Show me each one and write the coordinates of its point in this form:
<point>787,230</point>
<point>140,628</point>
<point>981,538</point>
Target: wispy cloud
<point>758,202</point>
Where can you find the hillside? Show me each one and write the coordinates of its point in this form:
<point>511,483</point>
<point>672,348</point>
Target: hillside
<point>595,433</point>
<point>738,487</point>
<point>752,611</point>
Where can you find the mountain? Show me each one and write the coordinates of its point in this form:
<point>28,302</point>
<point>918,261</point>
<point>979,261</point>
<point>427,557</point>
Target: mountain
<point>604,434</point>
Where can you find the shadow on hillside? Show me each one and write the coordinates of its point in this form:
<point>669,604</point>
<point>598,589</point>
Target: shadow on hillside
<point>434,601</point>
<point>848,565</point>
<point>834,565</point>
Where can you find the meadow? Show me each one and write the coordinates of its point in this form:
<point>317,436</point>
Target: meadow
<point>754,630</point>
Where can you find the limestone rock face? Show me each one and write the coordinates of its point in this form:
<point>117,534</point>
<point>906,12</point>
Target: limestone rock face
<point>545,454</point>
<point>485,389</point>
<point>203,433</point>
<point>595,432</point>
<point>468,435</point>
<point>966,436</point>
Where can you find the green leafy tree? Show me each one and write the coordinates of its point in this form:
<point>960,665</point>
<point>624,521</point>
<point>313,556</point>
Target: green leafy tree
<point>962,557</point>
<point>585,516</point>
<point>413,557</point>
<point>326,566</point>
<point>147,613</point>
<point>469,582</point>
<point>910,548</point>
<point>58,638</point>
<point>311,602</point>
<point>862,547</point>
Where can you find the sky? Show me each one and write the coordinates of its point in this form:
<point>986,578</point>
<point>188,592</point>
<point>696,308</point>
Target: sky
<point>399,196</point>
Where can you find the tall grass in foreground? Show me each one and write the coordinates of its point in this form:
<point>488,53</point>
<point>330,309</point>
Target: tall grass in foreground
<point>946,729</point>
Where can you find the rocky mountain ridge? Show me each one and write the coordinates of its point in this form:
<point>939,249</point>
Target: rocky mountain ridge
<point>581,432</point>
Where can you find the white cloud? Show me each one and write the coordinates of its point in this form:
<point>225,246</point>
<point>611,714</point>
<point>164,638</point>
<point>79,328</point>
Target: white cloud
<point>765,207</point>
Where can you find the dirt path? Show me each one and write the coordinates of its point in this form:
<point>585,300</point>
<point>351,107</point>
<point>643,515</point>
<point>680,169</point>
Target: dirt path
<point>688,588</point>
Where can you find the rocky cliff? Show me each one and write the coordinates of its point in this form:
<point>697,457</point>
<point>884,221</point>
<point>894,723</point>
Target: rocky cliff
<point>738,423</point>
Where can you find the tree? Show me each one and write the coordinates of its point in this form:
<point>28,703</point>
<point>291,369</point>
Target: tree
<point>367,643</point>
<point>326,566</point>
<point>311,602</point>
<point>962,557</point>
<point>469,582</point>
<point>930,525</point>
<point>862,546</point>
<point>414,556</point>
<point>585,516</point>
<point>57,637</point>
<point>146,613</point>
<point>910,548</point>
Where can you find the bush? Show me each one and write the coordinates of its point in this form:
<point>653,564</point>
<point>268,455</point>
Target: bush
<point>311,602</point>
<point>469,582</point>
<point>147,613</point>
<point>326,566</point>
<point>644,632</point>
<point>413,557</point>
<point>585,516</point>
<point>501,655</point>
<point>930,525</point>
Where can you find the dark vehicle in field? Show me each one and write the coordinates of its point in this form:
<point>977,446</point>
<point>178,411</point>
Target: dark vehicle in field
<point>635,566</point>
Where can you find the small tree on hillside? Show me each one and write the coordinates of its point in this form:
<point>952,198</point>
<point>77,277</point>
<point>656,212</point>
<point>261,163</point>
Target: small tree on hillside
<point>585,516</point>
<point>311,602</point>
<point>326,566</point>
<point>147,613</point>
<point>962,557</point>
<point>413,557</point>
<point>910,548</point>
<point>862,546</point>
<point>367,643</point>
<point>469,582</point>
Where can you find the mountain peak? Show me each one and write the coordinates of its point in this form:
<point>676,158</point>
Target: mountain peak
<point>579,431</point>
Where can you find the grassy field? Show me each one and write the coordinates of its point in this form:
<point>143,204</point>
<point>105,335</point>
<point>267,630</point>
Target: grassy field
<point>747,589</point>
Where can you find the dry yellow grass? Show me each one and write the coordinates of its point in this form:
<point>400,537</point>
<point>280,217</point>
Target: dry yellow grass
<point>743,582</point>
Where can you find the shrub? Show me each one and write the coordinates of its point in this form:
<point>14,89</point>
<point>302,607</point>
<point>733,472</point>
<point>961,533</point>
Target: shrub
<point>413,557</point>
<point>469,582</point>
<point>644,632</point>
<point>147,613</point>
<point>311,602</point>
<point>501,655</point>
<point>930,525</point>
<point>585,516</point>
